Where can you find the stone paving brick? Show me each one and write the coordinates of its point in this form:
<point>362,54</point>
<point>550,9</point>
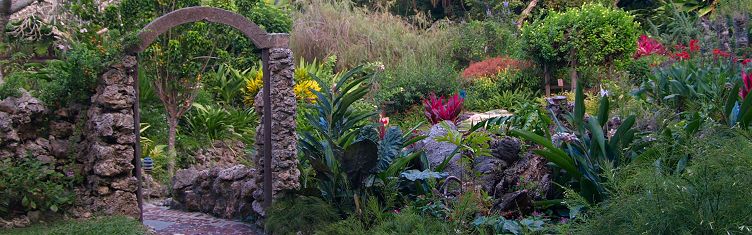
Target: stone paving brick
<point>164,221</point>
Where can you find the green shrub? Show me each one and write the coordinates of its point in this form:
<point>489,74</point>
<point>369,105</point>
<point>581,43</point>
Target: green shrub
<point>11,87</point>
<point>349,226</point>
<point>405,222</point>
<point>484,95</point>
<point>300,214</point>
<point>27,184</point>
<point>709,196</point>
<point>479,40</point>
<point>409,222</point>
<point>588,35</point>
<point>527,79</point>
<point>413,80</point>
<point>269,17</point>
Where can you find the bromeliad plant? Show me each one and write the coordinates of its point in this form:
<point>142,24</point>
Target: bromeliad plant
<point>349,156</point>
<point>738,109</point>
<point>585,148</point>
<point>437,110</point>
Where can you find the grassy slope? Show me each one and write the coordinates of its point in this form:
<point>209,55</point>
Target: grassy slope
<point>104,225</point>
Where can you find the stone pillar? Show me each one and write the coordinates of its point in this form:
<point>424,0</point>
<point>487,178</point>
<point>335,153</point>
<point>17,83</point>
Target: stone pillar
<point>110,187</point>
<point>284,138</point>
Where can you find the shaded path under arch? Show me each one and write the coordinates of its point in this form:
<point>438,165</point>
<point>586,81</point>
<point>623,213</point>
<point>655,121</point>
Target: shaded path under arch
<point>169,222</point>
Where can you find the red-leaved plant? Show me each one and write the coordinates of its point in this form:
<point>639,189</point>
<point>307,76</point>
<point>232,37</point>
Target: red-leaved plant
<point>747,87</point>
<point>493,66</point>
<point>648,46</point>
<point>437,110</point>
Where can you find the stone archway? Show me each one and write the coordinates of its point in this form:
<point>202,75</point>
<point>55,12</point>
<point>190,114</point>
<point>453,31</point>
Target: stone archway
<point>115,183</point>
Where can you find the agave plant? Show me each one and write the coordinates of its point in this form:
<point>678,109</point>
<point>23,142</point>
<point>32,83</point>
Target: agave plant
<point>583,149</point>
<point>437,110</point>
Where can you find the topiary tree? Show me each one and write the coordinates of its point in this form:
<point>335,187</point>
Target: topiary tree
<point>590,35</point>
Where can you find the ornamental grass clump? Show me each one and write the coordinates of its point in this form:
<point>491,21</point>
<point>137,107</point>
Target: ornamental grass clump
<point>437,110</point>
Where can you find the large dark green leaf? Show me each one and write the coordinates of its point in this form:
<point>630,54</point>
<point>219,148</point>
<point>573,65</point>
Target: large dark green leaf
<point>358,160</point>
<point>389,148</point>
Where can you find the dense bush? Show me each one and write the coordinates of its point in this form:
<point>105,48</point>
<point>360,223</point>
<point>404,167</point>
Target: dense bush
<point>588,35</point>
<point>304,214</point>
<point>27,184</point>
<point>479,40</point>
<point>655,195</point>
<point>413,80</point>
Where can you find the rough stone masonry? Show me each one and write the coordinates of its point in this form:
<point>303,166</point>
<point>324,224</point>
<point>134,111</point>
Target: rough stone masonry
<point>284,138</point>
<point>110,140</point>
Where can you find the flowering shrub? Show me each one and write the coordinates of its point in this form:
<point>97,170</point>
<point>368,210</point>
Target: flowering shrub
<point>437,110</point>
<point>304,85</point>
<point>492,66</point>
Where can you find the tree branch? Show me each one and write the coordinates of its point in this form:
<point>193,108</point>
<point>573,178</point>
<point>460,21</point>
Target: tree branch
<point>19,5</point>
<point>526,12</point>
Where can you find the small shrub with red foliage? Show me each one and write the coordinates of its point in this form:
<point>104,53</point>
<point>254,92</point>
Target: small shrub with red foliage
<point>493,66</point>
<point>437,110</point>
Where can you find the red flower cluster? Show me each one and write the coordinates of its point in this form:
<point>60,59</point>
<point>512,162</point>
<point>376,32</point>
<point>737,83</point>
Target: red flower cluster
<point>684,54</point>
<point>745,62</point>
<point>648,46</point>
<point>718,52</point>
<point>747,79</point>
<point>492,66</point>
<point>437,110</point>
<point>693,47</point>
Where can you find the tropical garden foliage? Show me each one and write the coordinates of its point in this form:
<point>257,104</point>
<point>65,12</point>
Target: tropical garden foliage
<point>638,111</point>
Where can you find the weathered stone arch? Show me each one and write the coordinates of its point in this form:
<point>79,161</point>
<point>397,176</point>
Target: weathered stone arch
<point>115,118</point>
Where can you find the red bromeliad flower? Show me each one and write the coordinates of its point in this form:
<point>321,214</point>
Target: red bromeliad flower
<point>384,121</point>
<point>718,52</point>
<point>693,47</point>
<point>745,62</point>
<point>747,87</point>
<point>437,110</point>
<point>648,46</point>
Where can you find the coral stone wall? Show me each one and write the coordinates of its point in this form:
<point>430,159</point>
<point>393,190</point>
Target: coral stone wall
<point>110,140</point>
<point>223,192</point>
<point>284,138</point>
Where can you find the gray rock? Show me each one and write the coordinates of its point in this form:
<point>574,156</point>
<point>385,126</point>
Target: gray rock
<point>233,173</point>
<point>184,178</point>
<point>437,151</point>
<point>223,192</point>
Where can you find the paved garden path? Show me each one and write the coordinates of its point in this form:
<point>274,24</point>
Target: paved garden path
<point>170,222</point>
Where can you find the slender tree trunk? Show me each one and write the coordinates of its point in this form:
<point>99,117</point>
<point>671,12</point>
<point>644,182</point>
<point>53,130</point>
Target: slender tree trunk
<point>5,12</point>
<point>547,77</point>
<point>172,122</point>
<point>525,13</point>
<point>573,71</point>
<point>573,76</point>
